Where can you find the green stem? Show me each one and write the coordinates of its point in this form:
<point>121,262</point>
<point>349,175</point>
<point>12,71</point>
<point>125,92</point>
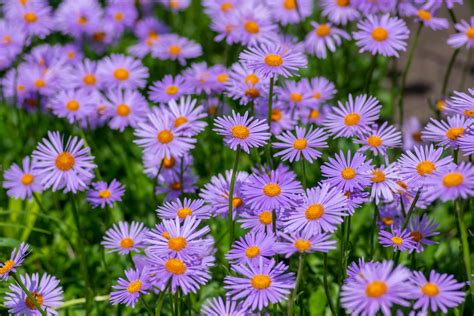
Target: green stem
<point>269,121</point>
<point>448,71</point>
<point>465,244</point>
<point>83,136</point>
<point>299,274</point>
<point>325,284</point>
<point>230,212</point>
<point>374,230</point>
<point>38,201</point>
<point>345,245</point>
<point>28,294</point>
<point>159,302</point>
<point>177,303</point>
<point>452,16</point>
<point>411,53</point>
<point>303,167</point>
<point>411,209</point>
<point>370,74</point>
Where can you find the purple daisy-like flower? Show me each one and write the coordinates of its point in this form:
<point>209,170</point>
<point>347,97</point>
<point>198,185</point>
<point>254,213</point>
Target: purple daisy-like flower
<point>347,173</point>
<point>418,164</point>
<point>270,190</point>
<point>128,290</point>
<point>174,47</point>
<point>242,131</point>
<point>261,283</point>
<point>384,183</point>
<point>384,35</point>
<point>439,292</point>
<point>120,71</point>
<point>377,287</point>
<point>217,307</point>
<point>324,37</point>
<point>465,35</point>
<point>173,185</point>
<point>429,19</point>
<point>273,61</point>
<point>184,239</point>
<point>354,269</point>
<point>320,209</point>
<point>21,182</point>
<point>303,144</point>
<point>400,239</point>
<point>175,5</point>
<point>34,17</point>
<point>303,242</point>
<point>355,199</point>
<point>159,137</point>
<point>244,85</point>
<point>447,133</point>
<point>16,259</point>
<point>83,76</point>
<point>389,216</point>
<point>282,117</point>
<point>258,221</point>
<point>183,209</point>
<point>252,247</point>
<point>60,166</point>
<point>200,78</point>
<point>354,117</point>
<point>78,18</point>
<point>374,7</point>
<point>187,116</point>
<point>455,181</point>
<point>412,133</point>
<point>120,14</point>
<point>74,105</point>
<point>103,194</point>
<point>421,228</point>
<point>169,88</point>
<point>466,144</point>
<point>291,11</point>
<point>293,95</point>
<point>125,108</point>
<point>124,237</point>
<point>379,139</point>
<point>46,291</point>
<point>13,39</point>
<point>339,11</point>
<point>253,24</point>
<point>461,103</point>
<point>320,88</point>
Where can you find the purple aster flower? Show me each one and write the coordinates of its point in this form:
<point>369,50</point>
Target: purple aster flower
<point>184,239</point>
<point>251,247</point>
<point>221,77</point>
<point>421,228</point>
<point>200,78</point>
<point>253,24</point>
<point>149,27</point>
<point>355,268</point>
<point>291,11</point>
<point>60,166</point>
<point>320,209</point>
<point>125,108</point>
<point>321,89</point>
<point>174,47</point>
<point>428,17</point>
<point>303,144</point>
<point>103,194</point>
<point>74,105</point>
<point>384,183</point>
<point>184,209</point>
<point>128,290</point>
<point>269,283</point>
<point>465,35</point>
<point>324,37</point>
<point>16,259</point>
<point>412,133</point>
<point>173,185</point>
<point>303,242</point>
<point>159,137</point>
<point>175,5</point>
<point>461,103</point>
<point>354,117</point>
<point>272,61</point>
<point>355,199</point>
<point>390,215</point>
<point>451,183</point>
<point>271,189</point>
<point>83,76</point>
<point>377,287</point>
<point>258,221</point>
<point>46,291</point>
<point>124,237</point>
<point>437,293</point>
<point>220,7</point>
<point>34,17</point>
<point>217,307</point>
<point>293,94</point>
<point>120,14</point>
<point>400,239</point>
<point>45,83</point>
<point>466,144</point>
<point>243,132</point>
<point>281,116</point>
<point>374,7</point>
<point>77,18</point>
<point>384,35</point>
<point>21,182</point>
<point>169,88</point>
<point>12,39</point>
<point>339,11</point>
<point>120,71</point>
<point>244,85</point>
<point>447,133</point>
<point>348,174</point>
<point>187,116</point>
<point>379,139</point>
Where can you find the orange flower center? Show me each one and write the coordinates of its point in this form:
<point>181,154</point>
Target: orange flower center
<point>387,221</point>
<point>416,236</point>
<point>123,110</point>
<point>272,189</point>
<point>302,245</point>
<point>314,114</point>
<point>82,20</point>
<point>425,167</point>
<point>469,113</point>
<point>348,173</point>
<point>343,3</point>
<point>378,176</point>
<point>470,33</point>
<point>180,121</point>
<point>397,240</point>
<point>296,97</point>
<point>453,179</point>
<point>379,34</point>
<point>119,16</point>
<point>374,141</point>
<point>276,115</point>
<point>89,79</point>
<point>252,252</point>
<point>430,289</point>
<point>424,15</point>
<point>440,105</point>
<point>64,161</point>
<point>226,6</point>
<point>27,179</point>
<point>40,83</point>
<point>300,143</point>
<point>176,186</point>
<point>72,105</point>
<point>104,194</point>
<point>314,211</point>
<point>252,78</point>
<point>289,4</point>
<point>134,286</point>
<point>454,133</point>
<point>30,17</point>
<point>252,93</point>
<point>323,30</point>
<point>352,119</point>
<point>175,266</point>
<point>184,212</point>
<point>222,78</point>
<point>127,243</point>
<point>261,281</point>
<point>251,27</point>
<point>174,50</point>
<point>165,136</point>
<point>376,289</point>
<point>265,217</point>
<point>273,60</point>
<point>38,299</point>
<point>7,266</point>
<point>177,243</point>
<point>240,131</point>
<point>121,74</point>
<point>169,163</point>
<point>237,202</point>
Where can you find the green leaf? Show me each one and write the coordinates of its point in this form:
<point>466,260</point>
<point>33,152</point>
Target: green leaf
<point>317,302</point>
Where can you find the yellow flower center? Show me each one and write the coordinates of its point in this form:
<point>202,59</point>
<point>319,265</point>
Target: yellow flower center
<point>378,176</point>
<point>273,60</point>
<point>98,36</point>
<point>379,34</point>
<point>40,83</point>
<point>119,16</point>
<point>252,93</point>
<point>166,235</point>
<point>440,105</point>
<point>323,30</point>
<point>165,136</point>
<point>184,212</point>
<point>152,38</point>
<point>387,221</point>
<point>127,243</point>
<point>252,252</point>
<point>71,54</point>
<point>397,240</point>
<point>265,217</point>
<point>177,243</point>
<point>302,245</point>
<point>261,281</point>
<point>416,136</point>
<point>121,74</point>
<point>72,105</point>
<point>348,173</point>
<point>454,132</point>
<point>37,297</point>
<point>174,4</point>
<point>470,33</point>
<point>416,236</point>
<point>89,79</point>
<point>296,97</point>
<point>21,87</point>
<point>314,211</point>
<point>343,3</point>
<point>176,186</point>
<point>82,20</point>
<point>425,167</point>
<point>174,50</point>
<point>314,114</point>
<point>453,179</point>
<point>180,121</point>
<point>300,143</point>
<point>352,119</point>
<point>240,131</point>
<point>276,115</point>
<point>175,266</point>
<point>424,15</point>
<point>251,27</point>
<point>169,163</point>
<point>376,289</point>
<point>374,141</point>
<point>430,289</point>
<point>123,110</point>
<point>226,6</point>
<point>7,39</point>
<point>7,266</point>
<point>172,89</point>
<point>237,202</point>
<point>469,113</point>
<point>134,286</point>
<point>272,189</point>
<point>289,4</point>
<point>222,78</point>
<point>64,161</point>
<point>252,78</point>
<point>27,179</point>
<point>30,17</point>
<point>104,194</point>
<point>317,95</point>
